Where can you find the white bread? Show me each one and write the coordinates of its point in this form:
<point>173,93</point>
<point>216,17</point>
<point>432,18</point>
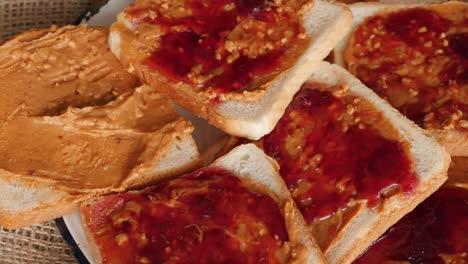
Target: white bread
<point>53,160</point>
<point>430,162</point>
<point>250,114</point>
<point>259,173</point>
<point>26,199</point>
<point>455,142</point>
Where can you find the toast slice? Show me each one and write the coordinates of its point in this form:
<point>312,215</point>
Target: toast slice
<point>451,127</point>
<point>249,113</point>
<point>249,166</point>
<point>353,163</point>
<point>83,128</point>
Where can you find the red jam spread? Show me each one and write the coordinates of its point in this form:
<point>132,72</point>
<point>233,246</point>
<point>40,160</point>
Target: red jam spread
<point>435,232</point>
<point>331,155</point>
<point>418,61</point>
<point>227,45</point>
<point>207,216</point>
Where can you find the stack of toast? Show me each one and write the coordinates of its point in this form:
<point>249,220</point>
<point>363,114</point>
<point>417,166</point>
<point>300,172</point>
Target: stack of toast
<point>338,161</point>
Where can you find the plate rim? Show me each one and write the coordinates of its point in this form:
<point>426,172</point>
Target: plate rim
<point>67,236</point>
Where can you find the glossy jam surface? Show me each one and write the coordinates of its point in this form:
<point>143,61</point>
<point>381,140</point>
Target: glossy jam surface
<point>227,45</point>
<point>330,155</point>
<point>418,61</point>
<point>204,217</point>
<point>435,232</point>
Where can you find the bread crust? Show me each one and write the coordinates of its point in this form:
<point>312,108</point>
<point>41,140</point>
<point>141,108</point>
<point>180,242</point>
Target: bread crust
<point>456,142</point>
<point>24,201</point>
<point>260,173</point>
<point>247,114</point>
<point>94,249</point>
<point>430,162</point>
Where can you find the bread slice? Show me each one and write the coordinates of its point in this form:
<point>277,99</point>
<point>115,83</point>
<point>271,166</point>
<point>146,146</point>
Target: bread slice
<point>259,174</point>
<point>79,131</point>
<point>429,162</point>
<point>455,141</point>
<point>37,190</point>
<point>424,232</point>
<point>249,114</point>
<point>75,59</point>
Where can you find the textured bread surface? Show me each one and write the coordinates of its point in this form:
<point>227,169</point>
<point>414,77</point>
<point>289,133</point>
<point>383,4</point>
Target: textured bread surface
<point>258,173</point>
<point>248,114</point>
<point>456,142</point>
<point>429,159</point>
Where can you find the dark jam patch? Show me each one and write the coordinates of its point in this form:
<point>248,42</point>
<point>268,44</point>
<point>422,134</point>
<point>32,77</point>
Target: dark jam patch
<point>190,218</point>
<point>356,164</point>
<point>438,226</point>
<point>458,68</point>
<point>236,75</point>
<point>199,36</point>
<point>459,44</point>
<point>405,25</point>
<point>401,38</point>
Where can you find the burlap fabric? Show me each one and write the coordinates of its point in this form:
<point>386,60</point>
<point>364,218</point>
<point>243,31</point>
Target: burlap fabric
<point>19,15</point>
<point>40,244</point>
<point>35,244</point>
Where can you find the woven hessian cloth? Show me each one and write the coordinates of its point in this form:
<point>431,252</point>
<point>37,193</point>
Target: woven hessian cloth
<point>19,15</point>
<point>41,244</point>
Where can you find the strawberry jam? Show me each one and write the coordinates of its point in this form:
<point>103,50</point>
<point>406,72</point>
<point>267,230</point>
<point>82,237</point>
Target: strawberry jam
<point>332,154</point>
<point>435,232</point>
<point>204,217</point>
<point>418,61</point>
<point>227,45</point>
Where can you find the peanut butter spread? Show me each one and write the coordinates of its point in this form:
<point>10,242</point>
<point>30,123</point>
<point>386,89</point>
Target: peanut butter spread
<point>45,71</point>
<point>71,114</point>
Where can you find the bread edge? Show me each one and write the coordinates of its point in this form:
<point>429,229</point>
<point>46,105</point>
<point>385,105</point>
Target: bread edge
<point>430,160</point>
<point>258,172</point>
<point>455,142</point>
<point>55,202</point>
<point>334,23</point>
